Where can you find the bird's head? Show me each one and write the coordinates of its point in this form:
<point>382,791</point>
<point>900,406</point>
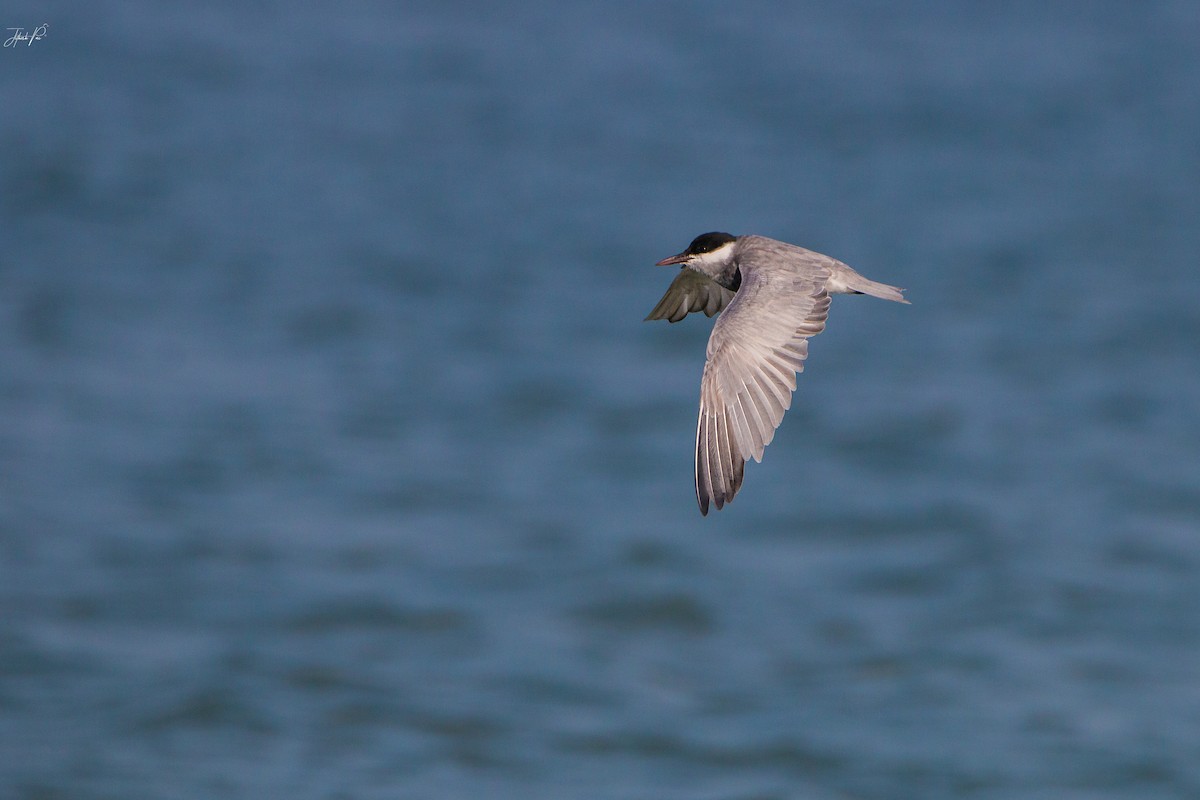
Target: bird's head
<point>710,253</point>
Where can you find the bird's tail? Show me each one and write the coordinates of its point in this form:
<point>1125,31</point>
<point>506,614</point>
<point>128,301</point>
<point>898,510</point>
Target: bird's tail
<point>860,285</point>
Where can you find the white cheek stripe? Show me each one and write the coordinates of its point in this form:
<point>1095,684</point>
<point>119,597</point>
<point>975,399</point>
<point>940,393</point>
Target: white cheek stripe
<point>716,257</point>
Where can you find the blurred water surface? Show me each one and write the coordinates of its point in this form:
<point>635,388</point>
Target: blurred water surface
<point>336,460</point>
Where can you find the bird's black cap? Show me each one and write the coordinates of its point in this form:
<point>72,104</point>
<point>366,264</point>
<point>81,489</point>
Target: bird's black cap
<point>707,242</point>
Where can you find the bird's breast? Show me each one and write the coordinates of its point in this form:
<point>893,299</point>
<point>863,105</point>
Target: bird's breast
<point>731,279</point>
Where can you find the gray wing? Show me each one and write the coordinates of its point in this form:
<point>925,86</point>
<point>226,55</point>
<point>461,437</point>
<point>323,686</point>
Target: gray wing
<point>757,346</point>
<point>691,291</point>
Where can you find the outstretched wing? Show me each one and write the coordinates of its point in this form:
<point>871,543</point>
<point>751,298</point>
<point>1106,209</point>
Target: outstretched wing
<point>691,291</point>
<point>756,348</point>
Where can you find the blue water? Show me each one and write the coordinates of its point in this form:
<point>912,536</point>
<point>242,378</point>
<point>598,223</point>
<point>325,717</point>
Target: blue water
<point>336,460</point>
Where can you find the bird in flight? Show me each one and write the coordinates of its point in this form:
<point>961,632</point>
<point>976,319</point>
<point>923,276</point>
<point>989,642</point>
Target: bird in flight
<point>772,296</point>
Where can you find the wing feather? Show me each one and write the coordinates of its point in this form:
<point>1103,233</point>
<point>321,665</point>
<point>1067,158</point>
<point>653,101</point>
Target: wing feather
<point>756,348</point>
<point>691,291</point>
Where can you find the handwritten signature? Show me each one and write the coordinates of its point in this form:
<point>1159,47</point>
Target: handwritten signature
<point>19,35</point>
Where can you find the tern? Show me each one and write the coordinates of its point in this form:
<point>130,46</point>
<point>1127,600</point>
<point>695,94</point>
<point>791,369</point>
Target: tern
<point>772,296</point>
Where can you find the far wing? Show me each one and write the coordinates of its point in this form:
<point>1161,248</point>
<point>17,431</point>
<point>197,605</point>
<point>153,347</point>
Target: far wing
<point>691,291</point>
<point>756,348</point>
